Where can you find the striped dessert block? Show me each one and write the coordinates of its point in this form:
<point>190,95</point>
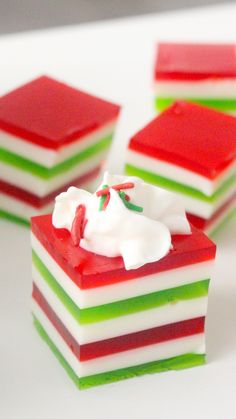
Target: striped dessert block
<point>105,323</point>
<point>200,73</point>
<point>190,150</point>
<point>51,136</point>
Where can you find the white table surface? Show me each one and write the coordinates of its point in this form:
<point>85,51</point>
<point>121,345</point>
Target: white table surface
<point>114,60</point>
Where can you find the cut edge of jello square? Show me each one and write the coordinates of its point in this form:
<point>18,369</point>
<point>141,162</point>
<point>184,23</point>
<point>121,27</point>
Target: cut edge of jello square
<point>185,361</point>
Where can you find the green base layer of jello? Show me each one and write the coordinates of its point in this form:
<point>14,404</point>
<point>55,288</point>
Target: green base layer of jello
<point>176,363</point>
<point>14,218</point>
<point>224,105</point>
<point>47,173</point>
<point>125,307</point>
<point>174,186</point>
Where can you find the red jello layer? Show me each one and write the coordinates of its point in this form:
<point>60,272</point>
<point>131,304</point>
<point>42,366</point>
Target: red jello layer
<point>51,114</point>
<point>120,343</point>
<point>191,136</point>
<point>202,223</point>
<point>89,270</point>
<point>39,202</point>
<point>195,62</point>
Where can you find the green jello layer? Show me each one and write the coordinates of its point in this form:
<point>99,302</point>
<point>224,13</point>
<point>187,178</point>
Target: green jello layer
<point>14,218</point>
<point>224,105</point>
<point>48,173</point>
<point>179,187</point>
<point>124,307</point>
<point>176,363</point>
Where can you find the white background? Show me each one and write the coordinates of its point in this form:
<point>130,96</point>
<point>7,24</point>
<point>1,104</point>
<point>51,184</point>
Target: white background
<point>113,60</point>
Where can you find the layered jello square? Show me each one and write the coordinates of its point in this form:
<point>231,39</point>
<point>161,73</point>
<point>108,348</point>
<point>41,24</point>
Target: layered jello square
<point>201,73</point>
<point>51,136</point>
<point>107,318</point>
<point>190,150</point>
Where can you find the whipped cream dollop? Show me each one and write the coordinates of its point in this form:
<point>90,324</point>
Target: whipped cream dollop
<point>131,219</point>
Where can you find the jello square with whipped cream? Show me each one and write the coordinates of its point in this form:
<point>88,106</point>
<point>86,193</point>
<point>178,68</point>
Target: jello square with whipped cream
<point>201,73</point>
<point>120,282</point>
<point>51,136</point>
<point>190,150</point>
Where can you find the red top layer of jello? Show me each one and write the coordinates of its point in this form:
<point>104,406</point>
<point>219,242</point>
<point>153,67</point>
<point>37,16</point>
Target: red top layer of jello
<point>50,113</point>
<point>89,270</point>
<point>191,136</point>
<point>195,61</point>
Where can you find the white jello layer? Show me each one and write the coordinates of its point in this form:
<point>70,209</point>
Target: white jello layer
<point>42,187</point>
<point>210,88</point>
<point>24,210</point>
<point>20,209</point>
<point>203,209</point>
<point>147,319</point>
<point>191,344</point>
<point>49,157</point>
<point>123,290</point>
<point>180,174</point>
<point>199,207</point>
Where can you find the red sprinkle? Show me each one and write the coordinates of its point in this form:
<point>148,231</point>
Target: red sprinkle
<point>106,202</point>
<point>127,185</point>
<point>78,225</point>
<point>103,192</point>
<point>83,227</point>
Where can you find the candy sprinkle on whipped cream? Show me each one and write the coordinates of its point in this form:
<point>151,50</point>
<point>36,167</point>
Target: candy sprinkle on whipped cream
<point>131,224</point>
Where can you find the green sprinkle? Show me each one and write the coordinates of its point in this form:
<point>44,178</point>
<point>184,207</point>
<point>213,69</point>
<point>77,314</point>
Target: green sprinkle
<point>129,205</point>
<point>103,198</point>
